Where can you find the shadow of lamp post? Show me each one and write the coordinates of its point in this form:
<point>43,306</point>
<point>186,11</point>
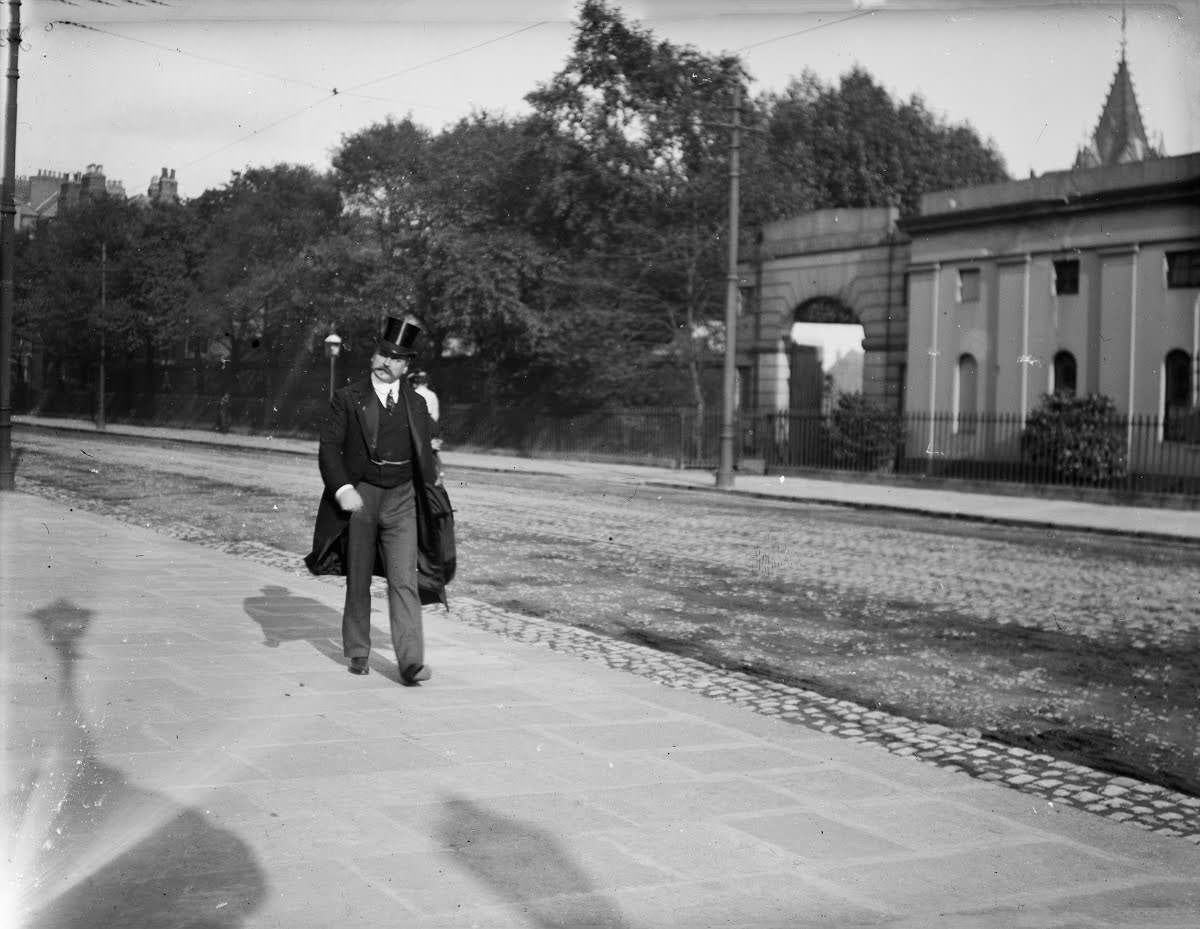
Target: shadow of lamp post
<point>333,348</point>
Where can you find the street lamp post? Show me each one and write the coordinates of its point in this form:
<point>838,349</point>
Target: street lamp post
<point>333,348</point>
<point>101,386</point>
<point>8,222</point>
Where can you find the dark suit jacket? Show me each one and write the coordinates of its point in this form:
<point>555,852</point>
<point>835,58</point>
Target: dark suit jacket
<point>347,437</point>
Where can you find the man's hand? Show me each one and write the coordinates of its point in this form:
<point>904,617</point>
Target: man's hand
<point>349,500</point>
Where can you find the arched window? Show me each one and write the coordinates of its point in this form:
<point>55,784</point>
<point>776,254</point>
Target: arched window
<point>1177,394</point>
<point>966,390</point>
<point>1064,373</point>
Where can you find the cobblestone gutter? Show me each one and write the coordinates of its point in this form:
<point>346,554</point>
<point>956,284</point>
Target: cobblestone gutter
<point>1149,806</point>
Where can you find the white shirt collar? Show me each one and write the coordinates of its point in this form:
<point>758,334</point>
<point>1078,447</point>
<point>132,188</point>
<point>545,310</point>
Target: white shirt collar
<point>382,390</point>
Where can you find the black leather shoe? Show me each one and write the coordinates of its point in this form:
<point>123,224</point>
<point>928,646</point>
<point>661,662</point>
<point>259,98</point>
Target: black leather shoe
<point>359,666</point>
<point>414,674</point>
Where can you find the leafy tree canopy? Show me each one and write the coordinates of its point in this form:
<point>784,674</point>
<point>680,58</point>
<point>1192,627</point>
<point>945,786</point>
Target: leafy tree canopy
<point>571,252</point>
<point>853,145</point>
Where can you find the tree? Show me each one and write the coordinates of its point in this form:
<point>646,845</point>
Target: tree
<point>854,146</point>
<point>449,222</point>
<point>58,284</point>
<point>160,273</point>
<point>265,282</point>
<point>637,144</point>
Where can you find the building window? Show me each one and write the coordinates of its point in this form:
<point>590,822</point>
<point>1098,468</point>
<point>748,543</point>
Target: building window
<point>1064,374</point>
<point>966,388</point>
<point>1181,421</point>
<point>1066,277</point>
<point>1183,269</point>
<point>968,285</point>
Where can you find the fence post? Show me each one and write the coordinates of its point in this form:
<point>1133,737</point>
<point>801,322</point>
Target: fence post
<point>929,447</point>
<point>679,439</point>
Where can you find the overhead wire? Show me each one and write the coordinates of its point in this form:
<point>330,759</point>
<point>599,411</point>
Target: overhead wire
<point>447,57</point>
<point>790,35</point>
<point>353,90</point>
<point>179,51</point>
<point>262,129</point>
<point>331,92</point>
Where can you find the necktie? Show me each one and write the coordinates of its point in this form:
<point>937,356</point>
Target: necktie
<point>391,402</point>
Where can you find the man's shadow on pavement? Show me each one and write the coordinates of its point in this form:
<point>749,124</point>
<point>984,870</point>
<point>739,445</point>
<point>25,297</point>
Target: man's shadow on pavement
<point>286,617</point>
<point>97,852</point>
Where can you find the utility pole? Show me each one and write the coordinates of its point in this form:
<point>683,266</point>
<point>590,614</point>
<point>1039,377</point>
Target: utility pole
<point>100,378</point>
<point>8,228</point>
<point>725,468</point>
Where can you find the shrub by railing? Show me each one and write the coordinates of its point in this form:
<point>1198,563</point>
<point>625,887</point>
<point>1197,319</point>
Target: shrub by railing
<point>863,435</point>
<point>1078,440</point>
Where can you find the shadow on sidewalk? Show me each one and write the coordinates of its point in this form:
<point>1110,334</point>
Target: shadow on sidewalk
<point>527,865</point>
<point>285,617</point>
<point>89,849</point>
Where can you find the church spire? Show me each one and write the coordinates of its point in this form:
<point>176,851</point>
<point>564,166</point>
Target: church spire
<point>1122,31</point>
<point>1120,135</point>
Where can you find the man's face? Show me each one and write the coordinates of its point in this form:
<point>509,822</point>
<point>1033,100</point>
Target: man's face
<point>388,368</point>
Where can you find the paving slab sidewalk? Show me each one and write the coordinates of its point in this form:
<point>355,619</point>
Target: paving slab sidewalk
<point>1149,522</point>
<point>183,746</point>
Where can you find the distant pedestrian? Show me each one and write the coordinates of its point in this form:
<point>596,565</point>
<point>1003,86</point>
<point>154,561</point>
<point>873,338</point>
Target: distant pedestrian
<point>420,383</point>
<point>223,412</point>
<point>378,467</point>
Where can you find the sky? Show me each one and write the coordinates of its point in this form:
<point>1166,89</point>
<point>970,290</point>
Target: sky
<point>836,340</point>
<point>209,87</point>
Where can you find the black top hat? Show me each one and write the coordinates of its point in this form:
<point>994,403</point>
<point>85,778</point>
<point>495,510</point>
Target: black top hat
<point>399,336</point>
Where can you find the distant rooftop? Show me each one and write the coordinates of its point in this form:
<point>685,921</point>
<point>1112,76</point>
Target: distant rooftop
<point>1064,186</point>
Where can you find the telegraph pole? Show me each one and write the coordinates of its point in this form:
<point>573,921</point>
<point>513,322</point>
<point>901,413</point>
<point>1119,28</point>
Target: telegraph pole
<point>8,228</point>
<point>725,468</point>
<point>100,388</point>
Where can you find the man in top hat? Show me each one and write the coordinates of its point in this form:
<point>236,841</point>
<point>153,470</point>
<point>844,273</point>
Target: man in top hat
<point>375,457</point>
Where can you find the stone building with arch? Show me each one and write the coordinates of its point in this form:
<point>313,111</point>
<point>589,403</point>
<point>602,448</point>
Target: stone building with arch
<point>834,266</point>
<point>1085,280</point>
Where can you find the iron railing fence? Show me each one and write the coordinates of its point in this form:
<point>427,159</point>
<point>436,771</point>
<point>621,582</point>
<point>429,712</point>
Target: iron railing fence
<point>287,416</point>
<point>652,435</point>
<point>1124,455</point>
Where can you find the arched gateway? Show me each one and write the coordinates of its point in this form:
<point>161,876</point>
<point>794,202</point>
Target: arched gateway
<point>854,259</point>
